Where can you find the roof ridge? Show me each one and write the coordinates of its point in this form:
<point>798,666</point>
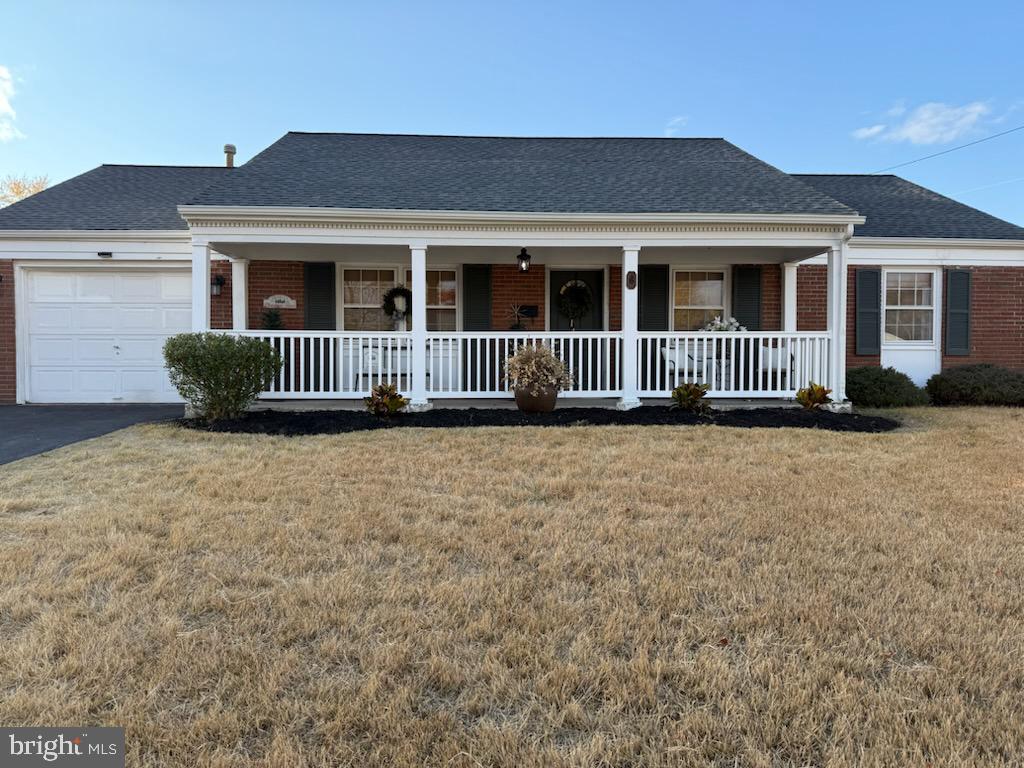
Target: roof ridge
<point>160,165</point>
<point>853,175</point>
<point>492,136</point>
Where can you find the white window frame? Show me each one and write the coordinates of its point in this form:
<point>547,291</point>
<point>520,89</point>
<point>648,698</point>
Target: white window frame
<point>398,270</point>
<point>726,291</point>
<point>457,269</point>
<point>935,308</point>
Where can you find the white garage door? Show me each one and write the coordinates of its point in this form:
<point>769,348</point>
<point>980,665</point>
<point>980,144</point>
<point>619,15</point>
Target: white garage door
<point>96,336</point>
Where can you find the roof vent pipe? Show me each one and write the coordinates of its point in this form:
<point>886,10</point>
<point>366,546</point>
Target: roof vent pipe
<point>229,155</point>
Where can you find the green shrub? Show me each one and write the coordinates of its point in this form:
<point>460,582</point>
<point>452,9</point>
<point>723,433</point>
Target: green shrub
<point>271,320</point>
<point>875,387</point>
<point>980,384</point>
<point>384,400</point>
<point>813,396</point>
<point>690,397</point>
<point>218,375</point>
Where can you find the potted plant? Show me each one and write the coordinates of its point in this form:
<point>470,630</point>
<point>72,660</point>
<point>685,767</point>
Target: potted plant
<point>536,376</point>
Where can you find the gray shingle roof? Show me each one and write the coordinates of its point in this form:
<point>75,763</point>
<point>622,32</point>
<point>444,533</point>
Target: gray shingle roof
<point>122,197</point>
<point>895,207</point>
<point>562,175</point>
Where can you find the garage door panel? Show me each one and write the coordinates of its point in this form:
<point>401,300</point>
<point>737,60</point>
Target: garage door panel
<point>144,350</point>
<point>176,287</point>
<point>98,337</point>
<point>141,318</point>
<point>52,350</point>
<point>91,318</point>
<point>51,318</point>
<point>177,320</point>
<point>52,287</point>
<point>97,287</point>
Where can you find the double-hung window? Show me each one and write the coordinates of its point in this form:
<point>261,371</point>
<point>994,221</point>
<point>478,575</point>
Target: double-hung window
<point>909,307</point>
<point>698,298</point>
<point>363,293</point>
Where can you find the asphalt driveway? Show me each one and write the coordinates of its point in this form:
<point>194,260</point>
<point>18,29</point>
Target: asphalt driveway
<point>26,430</point>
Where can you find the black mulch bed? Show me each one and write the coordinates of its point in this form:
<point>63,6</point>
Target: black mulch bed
<point>334,422</point>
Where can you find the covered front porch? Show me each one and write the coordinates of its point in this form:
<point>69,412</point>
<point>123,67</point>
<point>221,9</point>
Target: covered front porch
<point>638,333</point>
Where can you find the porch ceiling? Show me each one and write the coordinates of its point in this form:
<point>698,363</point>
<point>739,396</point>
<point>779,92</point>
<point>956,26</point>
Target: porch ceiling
<point>550,255</point>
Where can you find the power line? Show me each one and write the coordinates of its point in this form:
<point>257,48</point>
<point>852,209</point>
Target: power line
<point>951,149</point>
<point>989,186</point>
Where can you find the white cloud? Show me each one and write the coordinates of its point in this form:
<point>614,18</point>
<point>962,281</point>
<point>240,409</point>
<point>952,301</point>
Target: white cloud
<point>868,132</point>
<point>8,131</point>
<point>931,123</point>
<point>675,125</point>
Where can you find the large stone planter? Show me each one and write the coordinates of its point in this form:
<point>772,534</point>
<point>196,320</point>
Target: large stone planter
<point>541,403</point>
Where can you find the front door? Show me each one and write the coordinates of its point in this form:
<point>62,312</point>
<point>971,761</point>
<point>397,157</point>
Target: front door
<point>577,300</point>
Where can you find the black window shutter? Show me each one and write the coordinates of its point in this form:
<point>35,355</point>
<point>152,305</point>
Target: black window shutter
<point>653,298</point>
<point>746,297</point>
<point>476,297</point>
<point>868,295</point>
<point>319,287</point>
<point>958,312</point>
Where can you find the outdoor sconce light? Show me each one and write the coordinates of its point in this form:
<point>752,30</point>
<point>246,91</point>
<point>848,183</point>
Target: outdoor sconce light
<point>216,284</point>
<point>524,260</point>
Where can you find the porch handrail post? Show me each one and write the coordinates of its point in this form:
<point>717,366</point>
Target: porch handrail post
<point>418,394</point>
<point>837,292</point>
<point>630,339</point>
<point>200,287</point>
<point>239,294</point>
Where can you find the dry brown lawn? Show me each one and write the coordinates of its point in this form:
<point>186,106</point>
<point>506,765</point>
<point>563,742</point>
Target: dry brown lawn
<point>525,597</point>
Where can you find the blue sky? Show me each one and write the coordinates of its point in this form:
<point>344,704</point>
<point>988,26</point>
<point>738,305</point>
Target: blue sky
<point>807,86</point>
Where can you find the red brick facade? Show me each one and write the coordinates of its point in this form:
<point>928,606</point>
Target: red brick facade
<point>812,308</point>
<point>771,297</point>
<point>220,306</point>
<point>615,298</point>
<point>997,318</point>
<point>510,286</point>
<point>267,278</point>
<point>7,360</point>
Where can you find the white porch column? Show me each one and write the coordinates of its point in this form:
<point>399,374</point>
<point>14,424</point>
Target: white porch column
<point>239,294</point>
<point>418,395</point>
<point>630,303</point>
<point>200,287</point>
<point>789,296</point>
<point>837,321</point>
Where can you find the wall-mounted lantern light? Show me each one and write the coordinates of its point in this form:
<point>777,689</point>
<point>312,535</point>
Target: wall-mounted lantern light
<point>216,284</point>
<point>524,260</point>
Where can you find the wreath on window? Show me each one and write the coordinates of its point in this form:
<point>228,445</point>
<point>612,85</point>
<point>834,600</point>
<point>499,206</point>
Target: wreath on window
<point>397,302</point>
<point>575,300</point>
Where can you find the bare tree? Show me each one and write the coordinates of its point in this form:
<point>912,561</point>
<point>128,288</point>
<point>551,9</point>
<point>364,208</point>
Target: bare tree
<point>15,188</point>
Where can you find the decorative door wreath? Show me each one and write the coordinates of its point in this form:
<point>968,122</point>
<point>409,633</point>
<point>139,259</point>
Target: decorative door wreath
<point>575,301</point>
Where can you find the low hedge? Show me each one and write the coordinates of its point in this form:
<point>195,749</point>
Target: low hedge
<point>980,384</point>
<point>876,387</point>
<point>220,376</point>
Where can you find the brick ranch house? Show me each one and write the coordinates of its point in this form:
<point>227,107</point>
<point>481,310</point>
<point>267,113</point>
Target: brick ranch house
<point>615,252</point>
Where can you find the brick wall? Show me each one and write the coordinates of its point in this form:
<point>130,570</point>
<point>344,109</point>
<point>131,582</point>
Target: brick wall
<point>812,308</point>
<point>220,306</point>
<point>267,278</point>
<point>811,297</point>
<point>997,318</point>
<point>615,298</point>
<point>510,286</point>
<point>7,361</point>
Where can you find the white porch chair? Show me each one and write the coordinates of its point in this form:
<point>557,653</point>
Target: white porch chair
<point>689,366</point>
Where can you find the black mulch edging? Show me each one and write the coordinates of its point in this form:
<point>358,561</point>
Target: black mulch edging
<point>292,423</point>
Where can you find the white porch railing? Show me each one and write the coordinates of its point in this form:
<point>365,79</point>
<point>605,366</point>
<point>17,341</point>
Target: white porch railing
<point>335,364</point>
<point>742,364</point>
<point>473,364</point>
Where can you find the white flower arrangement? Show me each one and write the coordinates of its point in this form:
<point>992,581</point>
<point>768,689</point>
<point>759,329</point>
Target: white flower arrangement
<point>729,324</point>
